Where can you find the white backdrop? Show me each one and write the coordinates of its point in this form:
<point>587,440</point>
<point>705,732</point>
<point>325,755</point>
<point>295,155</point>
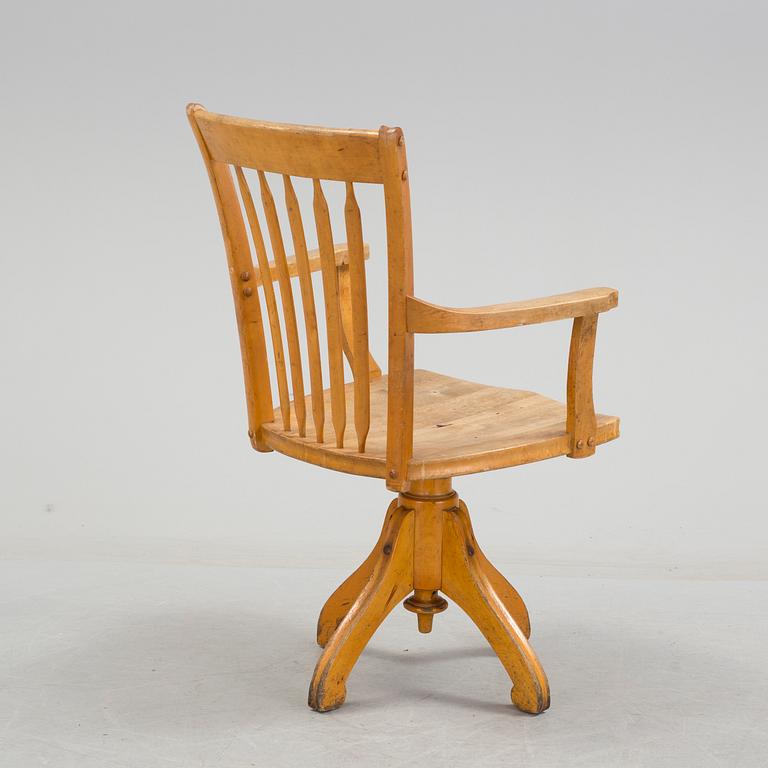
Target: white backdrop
<point>552,146</point>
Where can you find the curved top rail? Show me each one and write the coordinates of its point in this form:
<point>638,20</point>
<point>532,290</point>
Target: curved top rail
<point>312,152</point>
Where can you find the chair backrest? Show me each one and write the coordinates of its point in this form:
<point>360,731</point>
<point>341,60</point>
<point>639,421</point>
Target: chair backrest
<point>229,145</point>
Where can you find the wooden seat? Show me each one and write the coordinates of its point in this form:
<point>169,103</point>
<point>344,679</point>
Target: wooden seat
<point>415,429</point>
<point>459,427</point>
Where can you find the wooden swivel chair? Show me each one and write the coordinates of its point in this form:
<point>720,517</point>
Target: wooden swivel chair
<point>413,428</point>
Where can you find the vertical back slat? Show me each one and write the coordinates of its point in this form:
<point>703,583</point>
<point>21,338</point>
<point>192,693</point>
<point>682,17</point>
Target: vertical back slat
<point>269,295</point>
<point>359,304</point>
<point>332,312</point>
<point>308,305</point>
<point>289,310</point>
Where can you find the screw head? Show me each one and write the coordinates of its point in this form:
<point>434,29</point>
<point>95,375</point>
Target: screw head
<point>470,550</point>
<point>579,443</point>
<point>245,276</point>
<point>247,291</point>
<point>387,549</point>
<point>392,473</point>
<point>400,140</point>
<point>591,442</point>
<point>405,175</point>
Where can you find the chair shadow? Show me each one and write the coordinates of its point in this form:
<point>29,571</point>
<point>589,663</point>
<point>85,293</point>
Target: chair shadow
<point>402,686</point>
<point>468,652</point>
<point>221,669</point>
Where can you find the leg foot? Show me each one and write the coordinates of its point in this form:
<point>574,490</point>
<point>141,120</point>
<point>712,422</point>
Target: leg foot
<point>390,581</point>
<point>466,581</point>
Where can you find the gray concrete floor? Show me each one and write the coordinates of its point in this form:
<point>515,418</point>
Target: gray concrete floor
<point>123,664</point>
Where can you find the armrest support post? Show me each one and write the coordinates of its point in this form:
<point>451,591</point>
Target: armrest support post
<point>581,423</point>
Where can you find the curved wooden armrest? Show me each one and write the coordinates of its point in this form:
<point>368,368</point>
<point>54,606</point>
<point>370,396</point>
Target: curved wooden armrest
<point>340,251</point>
<point>423,317</point>
<point>583,306</point>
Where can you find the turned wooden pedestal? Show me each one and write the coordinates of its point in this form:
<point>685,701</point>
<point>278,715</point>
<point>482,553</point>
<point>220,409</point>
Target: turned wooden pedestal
<point>426,547</point>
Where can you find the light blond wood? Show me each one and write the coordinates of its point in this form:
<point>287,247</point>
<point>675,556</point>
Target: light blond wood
<point>296,150</point>
<point>359,311</point>
<point>346,313</point>
<point>345,310</point>
<point>503,589</point>
<point>345,300</point>
<point>247,309</point>
<point>338,604</point>
<point>269,296</point>
<point>397,197</point>
<point>390,582</point>
<point>332,313</point>
<point>437,552</point>
<point>428,500</point>
<point>459,427</point>
<point>415,429</point>
<point>289,308</point>
<point>341,254</point>
<point>581,422</point>
<point>308,305</point>
<point>465,581</point>
<point>423,317</point>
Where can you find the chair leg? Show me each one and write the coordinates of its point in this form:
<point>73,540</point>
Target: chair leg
<point>390,581</point>
<point>465,580</point>
<point>338,604</point>
<point>505,591</point>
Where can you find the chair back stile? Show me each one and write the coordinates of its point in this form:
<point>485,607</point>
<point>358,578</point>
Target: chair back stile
<point>231,145</point>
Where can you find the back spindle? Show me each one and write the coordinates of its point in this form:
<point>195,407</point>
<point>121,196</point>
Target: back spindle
<point>269,295</point>
<point>359,317</point>
<point>332,312</point>
<point>289,309</point>
<point>308,304</point>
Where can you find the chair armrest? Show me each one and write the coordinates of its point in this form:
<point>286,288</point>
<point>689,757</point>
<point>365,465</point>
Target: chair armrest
<point>423,317</point>
<point>341,252</point>
<point>583,306</point>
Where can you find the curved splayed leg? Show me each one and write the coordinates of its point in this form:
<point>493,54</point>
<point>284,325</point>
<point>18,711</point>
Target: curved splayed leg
<point>506,592</point>
<point>465,580</point>
<point>338,604</point>
<point>390,581</point>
